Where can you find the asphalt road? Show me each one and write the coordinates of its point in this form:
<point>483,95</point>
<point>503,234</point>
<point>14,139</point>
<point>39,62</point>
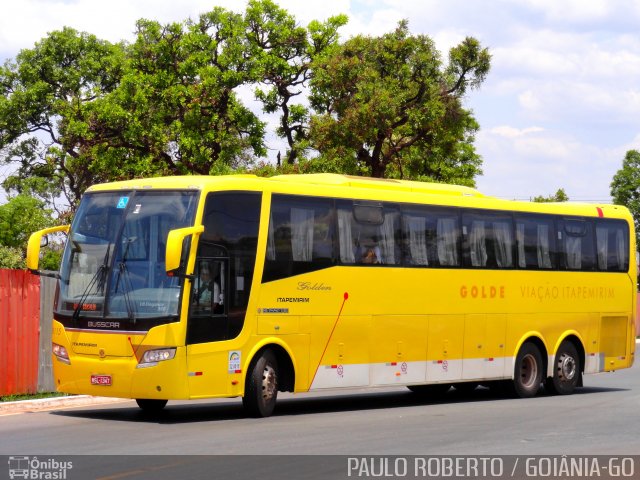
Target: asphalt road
<point>602,418</point>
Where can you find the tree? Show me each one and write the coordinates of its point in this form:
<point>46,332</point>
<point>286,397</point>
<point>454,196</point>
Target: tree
<point>19,217</point>
<point>284,53</point>
<point>175,110</point>
<point>76,110</point>
<point>44,97</point>
<point>625,187</point>
<point>388,107</point>
<point>559,196</point>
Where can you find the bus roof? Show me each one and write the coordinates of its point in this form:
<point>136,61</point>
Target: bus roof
<point>320,179</point>
<point>330,183</point>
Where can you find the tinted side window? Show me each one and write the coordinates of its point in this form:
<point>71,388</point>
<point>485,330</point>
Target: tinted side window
<point>535,242</point>
<point>368,233</point>
<point>488,240</point>
<point>431,237</point>
<point>300,237</point>
<point>577,240</point>
<point>612,245</point>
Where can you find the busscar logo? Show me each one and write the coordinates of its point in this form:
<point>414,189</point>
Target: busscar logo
<point>47,469</point>
<point>92,324</point>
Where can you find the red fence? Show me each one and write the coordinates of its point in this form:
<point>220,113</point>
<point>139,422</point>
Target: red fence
<point>19,331</point>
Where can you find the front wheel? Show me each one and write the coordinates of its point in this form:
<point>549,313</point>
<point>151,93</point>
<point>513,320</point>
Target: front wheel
<point>566,371</point>
<point>149,405</point>
<point>261,387</point>
<point>527,375</point>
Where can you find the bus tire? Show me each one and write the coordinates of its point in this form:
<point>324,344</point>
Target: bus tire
<point>433,390</point>
<point>151,405</point>
<point>261,387</point>
<point>527,374</point>
<point>566,370</point>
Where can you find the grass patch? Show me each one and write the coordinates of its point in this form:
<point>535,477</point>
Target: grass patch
<point>34,396</point>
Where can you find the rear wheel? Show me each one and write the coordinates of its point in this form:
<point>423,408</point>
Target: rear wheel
<point>149,405</point>
<point>261,387</point>
<point>566,371</point>
<point>527,375</point>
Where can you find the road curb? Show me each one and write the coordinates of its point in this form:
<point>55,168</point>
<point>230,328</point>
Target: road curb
<point>55,402</point>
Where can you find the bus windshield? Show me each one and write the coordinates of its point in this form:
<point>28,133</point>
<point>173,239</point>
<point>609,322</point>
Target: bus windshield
<point>113,265</point>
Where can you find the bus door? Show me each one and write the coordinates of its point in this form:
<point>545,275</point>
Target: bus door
<point>208,322</point>
<point>209,298</point>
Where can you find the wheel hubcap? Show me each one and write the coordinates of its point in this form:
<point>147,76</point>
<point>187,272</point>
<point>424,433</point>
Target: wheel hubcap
<point>268,383</point>
<point>528,371</point>
<point>567,367</point>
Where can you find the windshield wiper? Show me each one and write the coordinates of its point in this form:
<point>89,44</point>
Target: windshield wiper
<point>127,288</point>
<point>98,279</point>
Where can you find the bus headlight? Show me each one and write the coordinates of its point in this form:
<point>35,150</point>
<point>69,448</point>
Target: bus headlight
<point>152,357</point>
<point>61,353</point>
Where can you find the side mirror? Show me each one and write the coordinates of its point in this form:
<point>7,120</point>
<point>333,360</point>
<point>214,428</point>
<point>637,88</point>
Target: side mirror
<point>174,245</point>
<point>36,241</point>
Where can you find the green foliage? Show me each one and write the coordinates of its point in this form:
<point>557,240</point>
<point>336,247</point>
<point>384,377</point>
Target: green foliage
<point>51,257</point>
<point>559,196</point>
<point>11,257</point>
<point>625,187</point>
<point>175,110</point>
<point>388,107</point>
<point>19,217</point>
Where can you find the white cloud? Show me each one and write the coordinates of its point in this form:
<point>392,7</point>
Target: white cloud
<point>512,132</point>
<point>529,100</point>
<point>573,10</point>
<point>524,163</point>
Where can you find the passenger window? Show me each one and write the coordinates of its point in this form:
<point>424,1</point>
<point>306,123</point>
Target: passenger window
<point>368,234</point>
<point>535,241</point>
<point>612,245</point>
<point>431,236</point>
<point>578,246</point>
<point>488,240</point>
<point>300,236</point>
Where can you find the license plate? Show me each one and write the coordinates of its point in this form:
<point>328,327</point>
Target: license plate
<point>101,380</point>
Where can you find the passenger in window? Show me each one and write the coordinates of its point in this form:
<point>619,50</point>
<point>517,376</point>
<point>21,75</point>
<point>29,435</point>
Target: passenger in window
<point>371,255</point>
<point>203,293</point>
<point>218,296</point>
<point>208,296</point>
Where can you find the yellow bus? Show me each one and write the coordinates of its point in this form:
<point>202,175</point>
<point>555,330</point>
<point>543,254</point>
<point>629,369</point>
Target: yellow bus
<point>201,287</point>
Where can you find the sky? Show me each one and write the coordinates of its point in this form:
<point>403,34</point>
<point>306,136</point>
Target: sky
<point>559,108</point>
